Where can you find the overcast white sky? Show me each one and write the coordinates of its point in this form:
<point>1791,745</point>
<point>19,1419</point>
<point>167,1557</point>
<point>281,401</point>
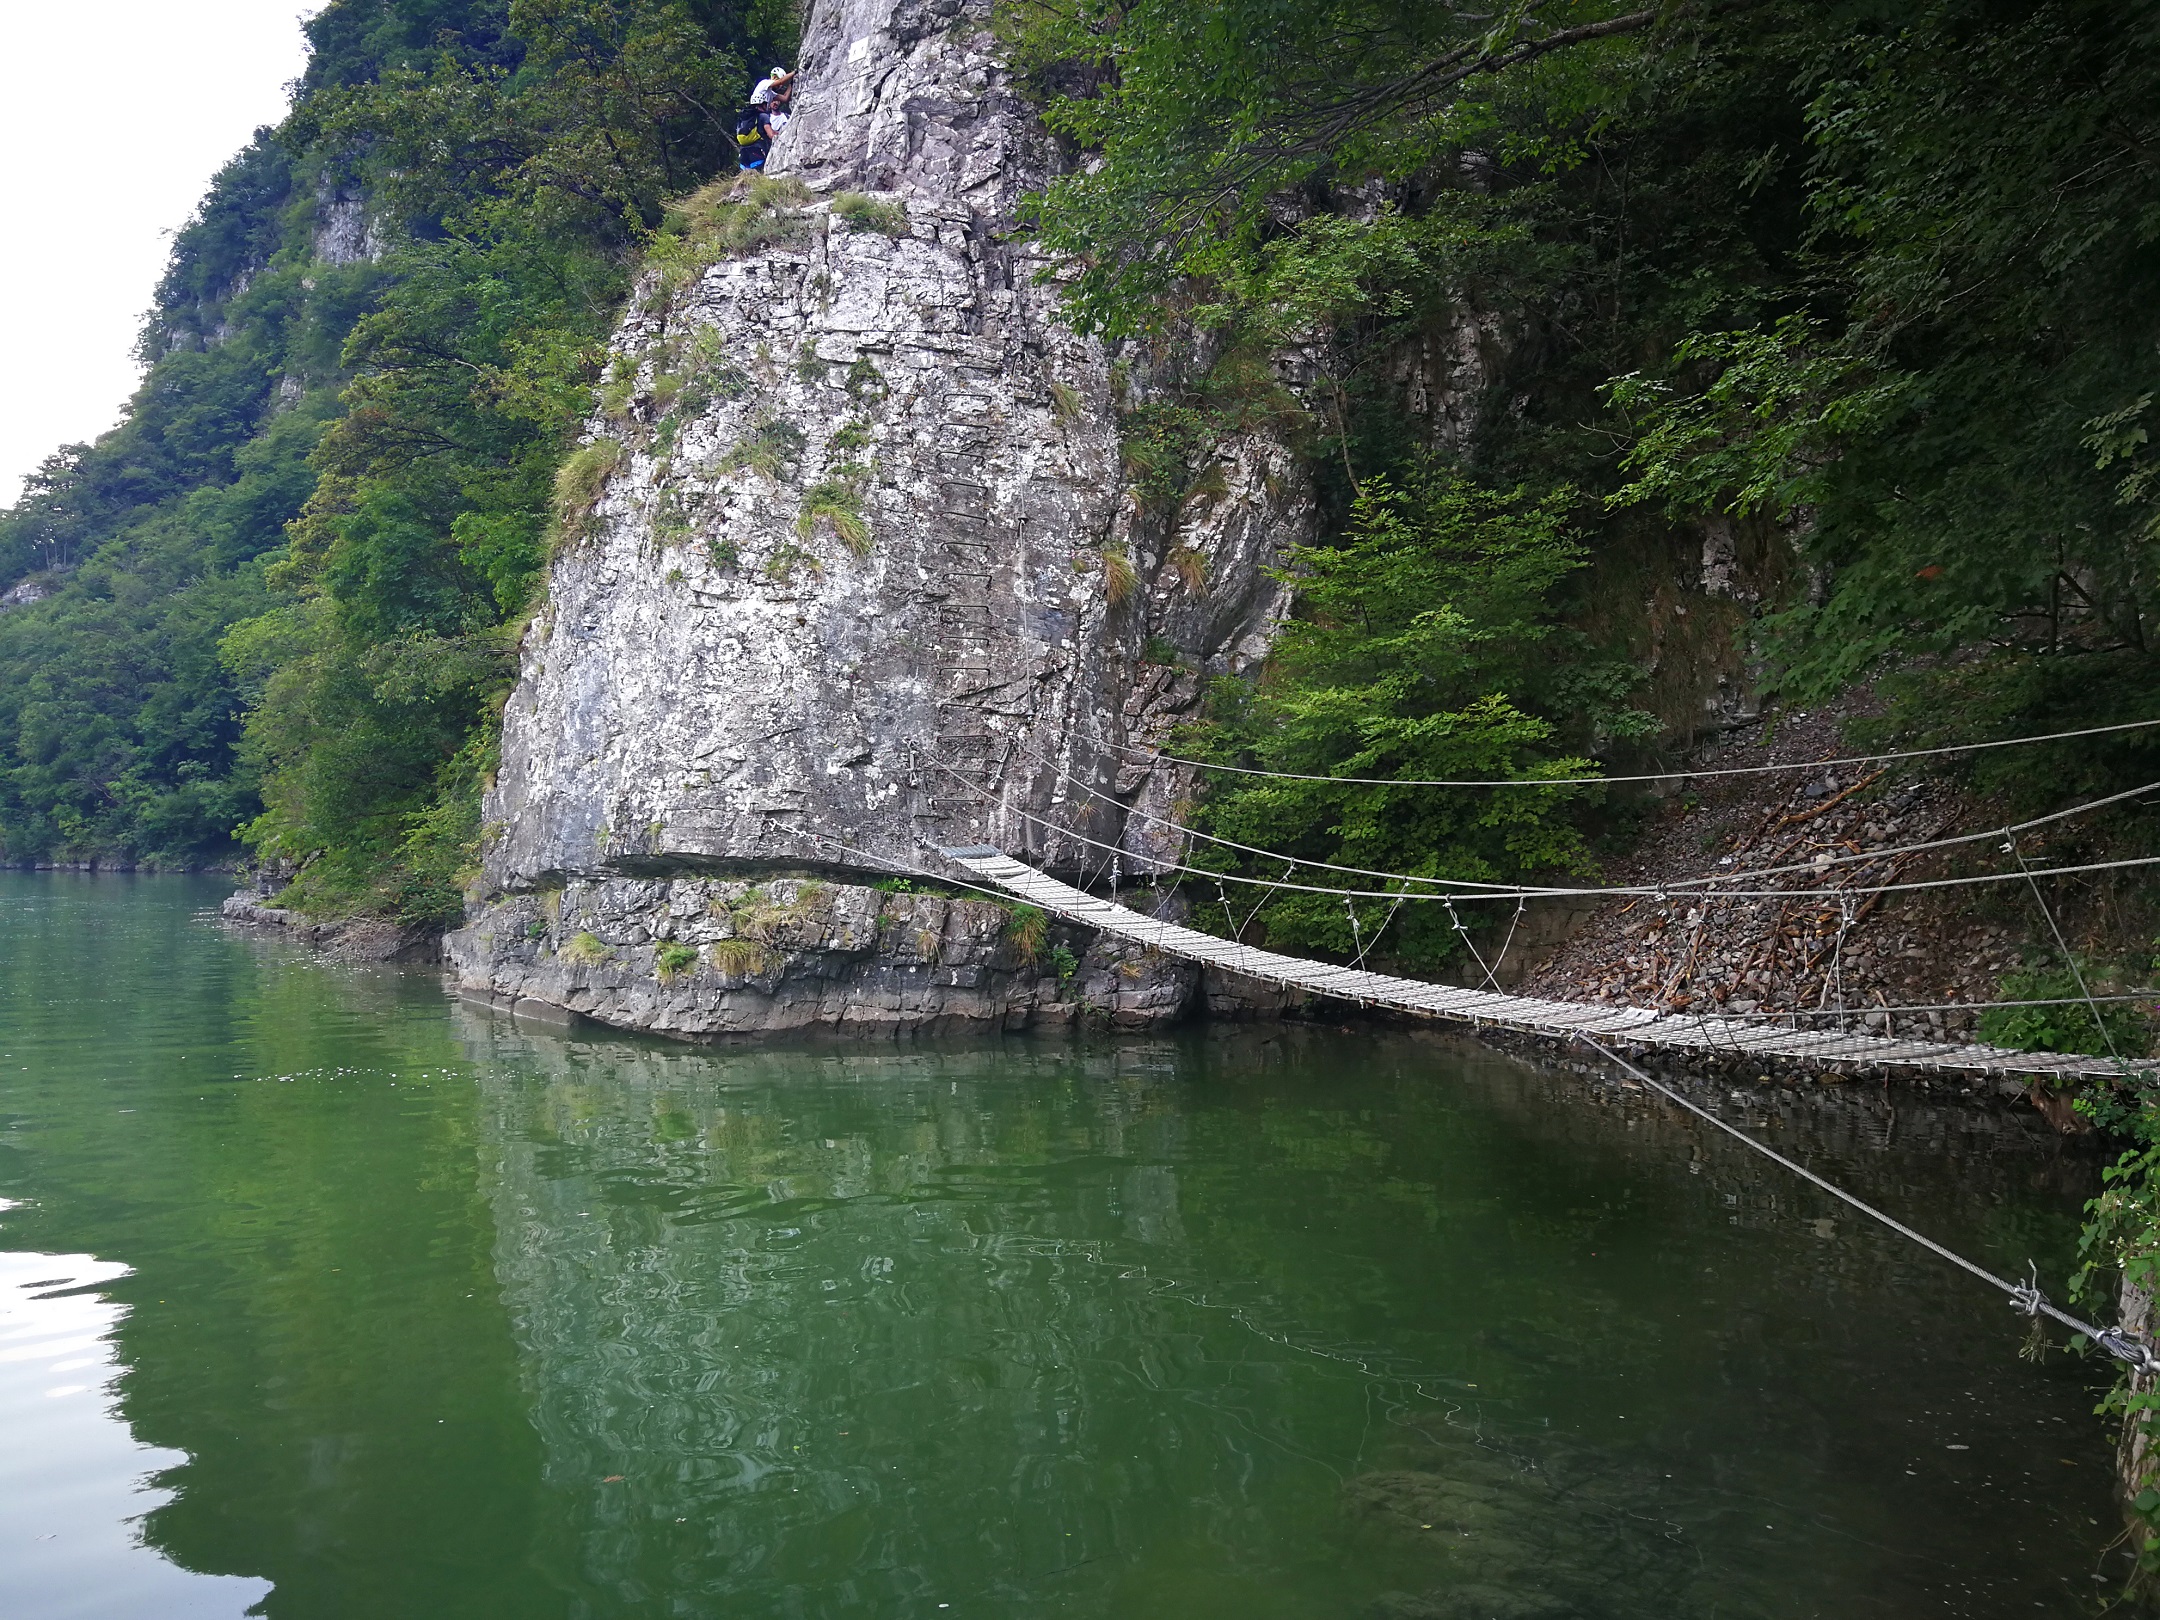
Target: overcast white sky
<point>114,114</point>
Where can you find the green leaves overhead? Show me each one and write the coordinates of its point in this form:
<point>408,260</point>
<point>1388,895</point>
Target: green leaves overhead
<point>1210,115</point>
<point>611,105</point>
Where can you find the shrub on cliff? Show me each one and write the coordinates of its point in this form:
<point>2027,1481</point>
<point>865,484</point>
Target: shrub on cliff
<point>1428,646</point>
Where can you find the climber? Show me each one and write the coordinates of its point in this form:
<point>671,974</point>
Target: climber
<point>776,86</point>
<point>753,139</point>
<point>764,118</point>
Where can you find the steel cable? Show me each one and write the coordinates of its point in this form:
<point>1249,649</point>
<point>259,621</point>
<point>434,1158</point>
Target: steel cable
<point>1658,776</point>
<point>1704,885</point>
<point>1657,891</point>
<point>2117,1341</point>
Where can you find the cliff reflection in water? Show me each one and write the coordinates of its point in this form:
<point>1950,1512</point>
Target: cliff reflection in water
<point>1298,1324</point>
<point>447,1319</point>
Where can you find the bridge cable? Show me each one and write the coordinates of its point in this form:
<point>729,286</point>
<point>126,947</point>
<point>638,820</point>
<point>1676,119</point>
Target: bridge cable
<point>2118,1341</point>
<point>1706,885</point>
<point>2077,973</point>
<point>1662,891</point>
<point>1537,1016</point>
<point>1659,776</point>
<point>1743,1020</point>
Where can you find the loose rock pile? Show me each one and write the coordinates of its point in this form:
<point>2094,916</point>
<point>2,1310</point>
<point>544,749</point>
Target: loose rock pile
<point>1825,947</point>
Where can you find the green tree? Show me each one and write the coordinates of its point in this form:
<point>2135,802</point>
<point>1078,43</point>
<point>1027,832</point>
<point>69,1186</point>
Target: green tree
<point>1427,648</point>
<point>377,687</point>
<point>404,414</point>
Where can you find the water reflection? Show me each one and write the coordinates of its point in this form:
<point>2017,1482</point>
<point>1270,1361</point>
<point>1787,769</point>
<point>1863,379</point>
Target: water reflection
<point>1276,1325</point>
<point>434,1317</point>
<point>74,1482</point>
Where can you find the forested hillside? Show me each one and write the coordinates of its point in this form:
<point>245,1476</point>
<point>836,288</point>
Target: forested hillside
<point>280,597</point>
<point>1854,300</point>
<point>1843,312</point>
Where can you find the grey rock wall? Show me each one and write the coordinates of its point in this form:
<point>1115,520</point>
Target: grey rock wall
<point>722,686</point>
<point>704,957</point>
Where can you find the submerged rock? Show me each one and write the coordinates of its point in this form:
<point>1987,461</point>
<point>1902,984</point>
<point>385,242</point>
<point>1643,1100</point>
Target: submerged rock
<point>852,569</point>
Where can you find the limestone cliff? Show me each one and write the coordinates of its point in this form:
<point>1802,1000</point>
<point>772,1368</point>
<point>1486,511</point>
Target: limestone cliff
<point>859,573</point>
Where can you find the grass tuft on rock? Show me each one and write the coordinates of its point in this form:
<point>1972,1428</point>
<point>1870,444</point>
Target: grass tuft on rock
<point>861,212</point>
<point>838,502</point>
<point>586,950</point>
<point>1027,930</point>
<point>725,220</point>
<point>770,449</point>
<point>737,958</point>
<point>1120,577</point>
<point>579,483</point>
<point>672,960</point>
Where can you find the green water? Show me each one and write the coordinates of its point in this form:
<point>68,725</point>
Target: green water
<point>326,1295</point>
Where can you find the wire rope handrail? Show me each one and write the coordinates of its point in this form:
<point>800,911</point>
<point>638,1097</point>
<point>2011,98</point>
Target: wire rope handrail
<point>2026,1296</point>
<point>1529,1014</point>
<point>1696,885</point>
<point>1685,888</point>
<point>1657,776</point>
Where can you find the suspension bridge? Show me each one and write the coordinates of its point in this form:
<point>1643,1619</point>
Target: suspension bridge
<point>1725,1036</point>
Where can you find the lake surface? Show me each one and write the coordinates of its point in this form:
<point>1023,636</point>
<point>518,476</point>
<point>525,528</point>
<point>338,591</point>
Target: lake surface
<point>322,1294</point>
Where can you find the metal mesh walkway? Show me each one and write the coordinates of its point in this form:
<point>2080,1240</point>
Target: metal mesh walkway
<point>1732,1037</point>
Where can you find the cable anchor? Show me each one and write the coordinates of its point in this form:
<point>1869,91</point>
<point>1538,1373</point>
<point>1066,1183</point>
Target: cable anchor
<point>2124,1345</point>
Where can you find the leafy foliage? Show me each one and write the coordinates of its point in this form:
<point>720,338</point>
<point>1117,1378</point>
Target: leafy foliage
<point>1979,204</point>
<point>499,164</point>
<point>1206,114</point>
<point>1428,647</point>
<point>2060,1020</point>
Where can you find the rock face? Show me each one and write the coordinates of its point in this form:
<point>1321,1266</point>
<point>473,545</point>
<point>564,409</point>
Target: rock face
<point>861,574</point>
<point>697,957</point>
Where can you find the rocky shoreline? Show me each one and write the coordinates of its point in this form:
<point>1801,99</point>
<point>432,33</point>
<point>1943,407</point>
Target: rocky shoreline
<point>352,939</point>
<point>707,958</point>
<point>697,958</point>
